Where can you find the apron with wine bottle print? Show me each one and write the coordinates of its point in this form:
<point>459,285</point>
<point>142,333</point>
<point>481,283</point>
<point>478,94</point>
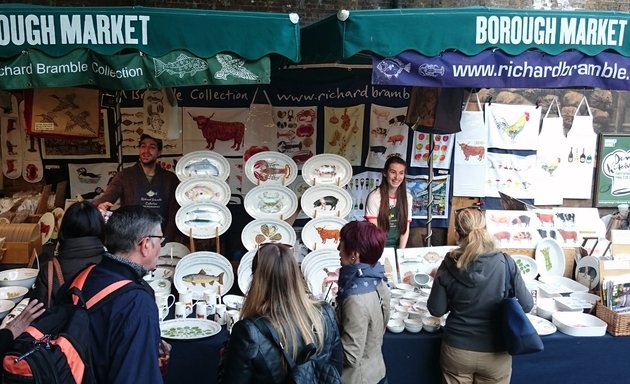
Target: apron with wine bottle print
<point>551,162</point>
<point>582,142</point>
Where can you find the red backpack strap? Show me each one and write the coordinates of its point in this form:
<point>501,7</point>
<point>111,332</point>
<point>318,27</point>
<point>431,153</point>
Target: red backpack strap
<point>54,270</point>
<point>79,281</point>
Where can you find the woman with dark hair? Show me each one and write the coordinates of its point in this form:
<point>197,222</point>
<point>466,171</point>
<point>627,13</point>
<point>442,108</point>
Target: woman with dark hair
<point>80,244</point>
<point>389,205</point>
<point>470,283</point>
<point>362,302</point>
<point>277,301</point>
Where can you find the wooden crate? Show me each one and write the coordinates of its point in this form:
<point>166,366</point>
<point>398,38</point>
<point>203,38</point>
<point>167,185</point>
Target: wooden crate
<point>21,240</point>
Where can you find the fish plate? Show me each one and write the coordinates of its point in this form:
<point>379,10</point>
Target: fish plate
<point>202,163</point>
<point>200,271</point>
<point>203,189</point>
<point>203,220</point>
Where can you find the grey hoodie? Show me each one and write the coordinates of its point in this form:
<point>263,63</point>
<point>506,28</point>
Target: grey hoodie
<point>472,296</point>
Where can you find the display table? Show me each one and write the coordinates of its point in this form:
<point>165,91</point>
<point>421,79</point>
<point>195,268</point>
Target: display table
<point>567,359</point>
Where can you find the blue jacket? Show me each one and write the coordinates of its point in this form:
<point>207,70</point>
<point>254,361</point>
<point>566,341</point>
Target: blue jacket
<point>125,331</point>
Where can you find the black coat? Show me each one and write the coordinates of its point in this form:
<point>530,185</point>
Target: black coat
<point>74,255</point>
<point>253,358</point>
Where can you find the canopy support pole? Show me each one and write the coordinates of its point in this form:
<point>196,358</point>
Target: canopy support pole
<point>427,239</point>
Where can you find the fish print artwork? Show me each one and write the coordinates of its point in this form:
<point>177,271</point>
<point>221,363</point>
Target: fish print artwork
<point>201,168</point>
<point>181,66</point>
<point>201,193</point>
<point>203,220</point>
<point>203,279</point>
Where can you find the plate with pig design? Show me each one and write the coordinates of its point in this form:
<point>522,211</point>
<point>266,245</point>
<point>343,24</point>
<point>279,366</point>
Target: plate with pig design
<point>326,200</point>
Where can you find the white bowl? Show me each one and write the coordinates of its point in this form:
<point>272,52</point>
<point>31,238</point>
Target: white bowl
<point>586,297</point>
<point>398,315</point>
<point>579,324</point>
<point>24,277</point>
<point>413,325</point>
<point>405,287</point>
<point>413,296</point>
<point>397,293</point>
<point>14,293</point>
<point>407,303</point>
<point>546,307</point>
<point>431,324</point>
<point>160,285</point>
<point>233,301</point>
<point>5,307</point>
<point>395,326</point>
<point>418,313</point>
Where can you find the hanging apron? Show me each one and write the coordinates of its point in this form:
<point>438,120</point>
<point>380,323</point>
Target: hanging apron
<point>551,160</point>
<point>582,143</point>
<point>471,146</point>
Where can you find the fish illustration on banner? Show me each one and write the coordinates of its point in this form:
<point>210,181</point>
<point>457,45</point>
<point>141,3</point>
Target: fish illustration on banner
<point>511,174</point>
<point>183,65</point>
<point>343,132</point>
<point>219,129</point>
<point>442,150</point>
<point>388,135</point>
<point>296,132</point>
<point>512,126</point>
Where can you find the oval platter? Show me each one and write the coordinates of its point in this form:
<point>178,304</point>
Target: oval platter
<point>312,257</point>
<point>203,220</point>
<point>270,201</point>
<point>549,257</point>
<point>322,233</point>
<point>271,167</point>
<point>527,265</point>
<point>199,271</point>
<point>244,271</point>
<point>322,275</point>
<point>202,163</point>
<point>188,329</point>
<point>265,230</point>
<point>58,213</point>
<point>328,169</point>
<point>326,200</point>
<point>46,226</point>
<point>543,326</point>
<point>202,189</point>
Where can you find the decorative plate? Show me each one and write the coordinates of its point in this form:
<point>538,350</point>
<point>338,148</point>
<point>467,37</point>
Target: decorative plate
<point>188,329</point>
<point>46,226</point>
<point>587,272</point>
<point>527,265</point>
<point>271,202</point>
<point>264,230</point>
<point>244,271</point>
<point>171,254</point>
<point>233,301</point>
<point>322,233</point>
<point>202,163</point>
<point>198,271</point>
<point>203,220</point>
<point>326,200</point>
<point>312,257</point>
<point>322,275</point>
<point>271,167</point>
<point>327,169</point>
<point>203,189</point>
<point>543,326</point>
<point>58,213</point>
<point>549,257</point>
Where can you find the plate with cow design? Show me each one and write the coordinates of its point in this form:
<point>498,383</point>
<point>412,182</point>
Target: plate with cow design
<point>203,220</point>
<point>203,270</point>
<point>271,201</point>
<point>326,200</point>
<point>271,167</point>
<point>328,169</point>
<point>549,257</point>
<point>322,232</point>
<point>202,163</point>
<point>265,230</point>
<point>587,272</point>
<point>201,190</point>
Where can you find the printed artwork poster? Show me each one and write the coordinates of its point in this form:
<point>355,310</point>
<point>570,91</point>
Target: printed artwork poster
<point>161,114</point>
<point>512,126</point>
<point>89,180</point>
<point>168,162</point>
<point>296,132</point>
<point>388,135</point>
<point>511,174</point>
<point>359,186</point>
<point>260,129</point>
<point>514,229</point>
<point>470,162</point>
<point>221,130</point>
<point>66,148</point>
<point>343,132</point>
<point>582,143</point>
<point>418,188</point>
<point>440,150</point>
<point>132,121</point>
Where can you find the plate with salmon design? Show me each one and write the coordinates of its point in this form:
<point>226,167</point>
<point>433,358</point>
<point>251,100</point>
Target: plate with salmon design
<point>200,271</point>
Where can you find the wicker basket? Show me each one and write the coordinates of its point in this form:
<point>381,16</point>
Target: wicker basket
<point>618,323</point>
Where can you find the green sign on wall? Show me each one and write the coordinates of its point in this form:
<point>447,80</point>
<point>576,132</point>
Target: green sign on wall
<point>613,171</point>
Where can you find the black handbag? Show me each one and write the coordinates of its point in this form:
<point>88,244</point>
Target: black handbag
<point>518,332</point>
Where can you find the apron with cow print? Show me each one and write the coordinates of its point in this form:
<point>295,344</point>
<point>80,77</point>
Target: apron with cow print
<point>470,153</point>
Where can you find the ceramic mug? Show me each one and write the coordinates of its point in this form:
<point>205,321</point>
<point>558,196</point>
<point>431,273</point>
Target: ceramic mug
<point>212,298</point>
<point>201,310</point>
<point>233,315</point>
<point>163,304</point>
<point>180,310</point>
<point>186,298</point>
<point>221,315</point>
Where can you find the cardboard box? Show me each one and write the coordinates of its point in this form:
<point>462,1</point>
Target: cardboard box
<point>620,239</point>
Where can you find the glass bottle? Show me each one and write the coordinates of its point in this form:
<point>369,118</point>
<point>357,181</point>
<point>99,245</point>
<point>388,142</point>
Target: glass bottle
<point>571,155</point>
<point>582,156</point>
<point>589,158</point>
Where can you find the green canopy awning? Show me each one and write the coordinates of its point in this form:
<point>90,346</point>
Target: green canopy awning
<point>431,31</point>
<point>139,47</point>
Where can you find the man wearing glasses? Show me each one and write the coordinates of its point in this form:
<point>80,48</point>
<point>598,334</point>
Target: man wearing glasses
<point>124,330</point>
<point>146,184</point>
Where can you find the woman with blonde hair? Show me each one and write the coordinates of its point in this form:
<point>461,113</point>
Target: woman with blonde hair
<point>470,283</point>
<point>277,303</point>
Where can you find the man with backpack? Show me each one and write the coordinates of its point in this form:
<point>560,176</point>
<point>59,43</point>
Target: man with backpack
<point>124,330</point>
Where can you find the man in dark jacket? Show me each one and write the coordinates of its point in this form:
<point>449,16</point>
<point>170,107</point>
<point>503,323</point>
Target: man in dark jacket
<point>146,184</point>
<point>125,332</point>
